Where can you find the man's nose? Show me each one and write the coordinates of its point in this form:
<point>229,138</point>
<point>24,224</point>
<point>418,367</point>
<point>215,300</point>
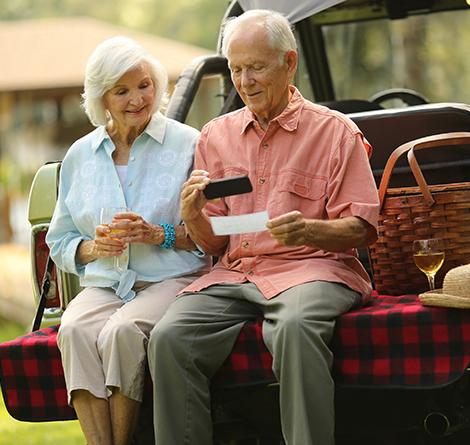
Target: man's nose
<point>247,77</point>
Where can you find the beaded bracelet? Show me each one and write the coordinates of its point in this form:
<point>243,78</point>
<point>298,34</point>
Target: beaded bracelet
<point>170,236</point>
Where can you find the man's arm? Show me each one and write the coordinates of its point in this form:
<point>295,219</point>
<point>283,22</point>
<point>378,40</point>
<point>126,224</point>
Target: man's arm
<point>339,235</point>
<point>196,220</point>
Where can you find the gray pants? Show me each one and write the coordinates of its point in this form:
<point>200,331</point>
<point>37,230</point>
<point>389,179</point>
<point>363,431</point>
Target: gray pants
<point>198,332</point>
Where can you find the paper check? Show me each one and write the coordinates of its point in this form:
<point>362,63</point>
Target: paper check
<point>232,225</point>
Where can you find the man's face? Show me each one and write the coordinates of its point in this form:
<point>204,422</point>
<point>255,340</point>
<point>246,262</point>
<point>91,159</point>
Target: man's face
<point>260,77</point>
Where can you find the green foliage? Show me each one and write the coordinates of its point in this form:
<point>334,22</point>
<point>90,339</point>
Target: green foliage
<point>15,178</point>
<point>424,53</point>
<point>10,331</point>
<point>195,22</point>
<point>13,432</point>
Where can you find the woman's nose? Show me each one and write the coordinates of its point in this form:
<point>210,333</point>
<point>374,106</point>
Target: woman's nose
<point>136,96</point>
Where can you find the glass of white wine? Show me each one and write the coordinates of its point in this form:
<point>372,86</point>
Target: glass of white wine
<point>106,218</point>
<point>429,255</point>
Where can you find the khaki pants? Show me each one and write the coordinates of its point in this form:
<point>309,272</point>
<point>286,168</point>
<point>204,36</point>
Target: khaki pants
<point>198,332</point>
<point>103,342</point>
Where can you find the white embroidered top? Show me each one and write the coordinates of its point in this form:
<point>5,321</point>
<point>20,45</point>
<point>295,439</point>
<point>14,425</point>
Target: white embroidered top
<point>160,160</point>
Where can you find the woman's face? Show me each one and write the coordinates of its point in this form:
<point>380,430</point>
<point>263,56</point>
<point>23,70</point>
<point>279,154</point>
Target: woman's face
<point>130,101</point>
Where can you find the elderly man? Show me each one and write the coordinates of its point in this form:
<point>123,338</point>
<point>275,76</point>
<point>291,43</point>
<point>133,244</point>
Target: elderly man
<point>310,172</point>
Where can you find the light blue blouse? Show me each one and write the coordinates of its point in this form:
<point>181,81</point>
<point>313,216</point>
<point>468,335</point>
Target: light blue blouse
<point>160,160</point>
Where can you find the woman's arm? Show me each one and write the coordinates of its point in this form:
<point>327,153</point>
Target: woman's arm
<point>137,230</point>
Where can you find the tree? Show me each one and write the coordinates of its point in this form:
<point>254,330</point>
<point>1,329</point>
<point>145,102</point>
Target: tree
<point>195,22</point>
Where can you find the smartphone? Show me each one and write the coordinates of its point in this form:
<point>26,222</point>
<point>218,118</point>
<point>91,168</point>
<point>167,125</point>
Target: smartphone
<point>235,185</point>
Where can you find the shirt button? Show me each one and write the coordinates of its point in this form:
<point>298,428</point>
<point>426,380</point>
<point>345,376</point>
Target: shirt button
<point>125,258</point>
<point>265,145</point>
<point>132,159</point>
<point>246,245</point>
<point>262,180</point>
<point>129,183</point>
<point>250,272</point>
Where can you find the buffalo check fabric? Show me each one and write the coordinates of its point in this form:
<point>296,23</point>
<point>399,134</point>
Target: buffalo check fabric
<point>250,361</point>
<point>392,342</point>
<point>398,342</point>
<point>32,378</point>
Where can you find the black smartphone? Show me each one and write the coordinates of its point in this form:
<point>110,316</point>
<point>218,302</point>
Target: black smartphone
<point>235,185</point>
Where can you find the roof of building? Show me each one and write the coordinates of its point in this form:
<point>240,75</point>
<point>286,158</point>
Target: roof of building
<point>52,53</point>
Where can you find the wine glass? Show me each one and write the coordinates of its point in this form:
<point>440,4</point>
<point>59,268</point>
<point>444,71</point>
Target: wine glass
<point>106,218</point>
<point>428,255</point>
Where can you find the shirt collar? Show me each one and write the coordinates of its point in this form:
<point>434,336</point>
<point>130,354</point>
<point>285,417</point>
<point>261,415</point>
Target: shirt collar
<point>288,119</point>
<point>155,129</point>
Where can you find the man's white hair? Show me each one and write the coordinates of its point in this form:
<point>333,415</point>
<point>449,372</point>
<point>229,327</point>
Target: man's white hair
<point>281,36</point>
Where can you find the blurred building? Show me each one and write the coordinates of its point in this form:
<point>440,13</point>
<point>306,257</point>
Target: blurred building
<point>42,66</point>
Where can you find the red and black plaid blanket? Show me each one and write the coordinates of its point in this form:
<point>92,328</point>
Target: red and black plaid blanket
<point>392,342</point>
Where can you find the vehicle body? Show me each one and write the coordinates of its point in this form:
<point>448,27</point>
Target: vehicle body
<point>326,31</point>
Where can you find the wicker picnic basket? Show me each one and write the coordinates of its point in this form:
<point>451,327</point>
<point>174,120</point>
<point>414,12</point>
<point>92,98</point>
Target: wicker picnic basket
<point>412,213</point>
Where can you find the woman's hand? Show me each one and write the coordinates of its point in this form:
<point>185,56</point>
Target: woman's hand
<point>132,228</point>
<point>102,246</point>
<point>105,245</point>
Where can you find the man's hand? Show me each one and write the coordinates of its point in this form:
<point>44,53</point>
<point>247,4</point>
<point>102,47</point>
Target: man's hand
<point>289,229</point>
<point>196,221</point>
<point>339,235</point>
<point>192,196</point>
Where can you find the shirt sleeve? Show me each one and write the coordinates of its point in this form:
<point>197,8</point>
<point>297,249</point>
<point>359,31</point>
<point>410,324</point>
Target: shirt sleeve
<point>63,236</point>
<point>200,253</point>
<point>351,187</point>
<point>211,163</point>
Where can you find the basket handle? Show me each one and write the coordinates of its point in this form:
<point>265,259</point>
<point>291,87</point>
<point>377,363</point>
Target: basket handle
<point>436,140</point>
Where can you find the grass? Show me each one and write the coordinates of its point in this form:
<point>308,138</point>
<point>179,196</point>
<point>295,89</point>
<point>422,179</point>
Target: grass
<point>13,432</point>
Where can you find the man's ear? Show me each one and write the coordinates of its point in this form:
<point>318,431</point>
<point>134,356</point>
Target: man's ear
<point>291,61</point>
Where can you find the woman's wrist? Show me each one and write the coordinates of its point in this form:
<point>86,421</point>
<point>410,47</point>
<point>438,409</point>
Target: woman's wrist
<point>170,236</point>
<point>86,252</point>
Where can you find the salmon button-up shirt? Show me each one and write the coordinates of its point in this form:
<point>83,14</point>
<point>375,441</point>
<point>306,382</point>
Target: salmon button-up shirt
<point>310,159</point>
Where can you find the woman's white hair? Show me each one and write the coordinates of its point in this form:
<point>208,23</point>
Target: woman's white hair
<point>108,63</point>
<point>281,36</point>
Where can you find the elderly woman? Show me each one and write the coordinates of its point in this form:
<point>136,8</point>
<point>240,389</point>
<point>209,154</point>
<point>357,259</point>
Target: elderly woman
<point>138,159</point>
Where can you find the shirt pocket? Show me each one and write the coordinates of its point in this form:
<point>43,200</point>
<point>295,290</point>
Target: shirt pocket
<point>297,191</point>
